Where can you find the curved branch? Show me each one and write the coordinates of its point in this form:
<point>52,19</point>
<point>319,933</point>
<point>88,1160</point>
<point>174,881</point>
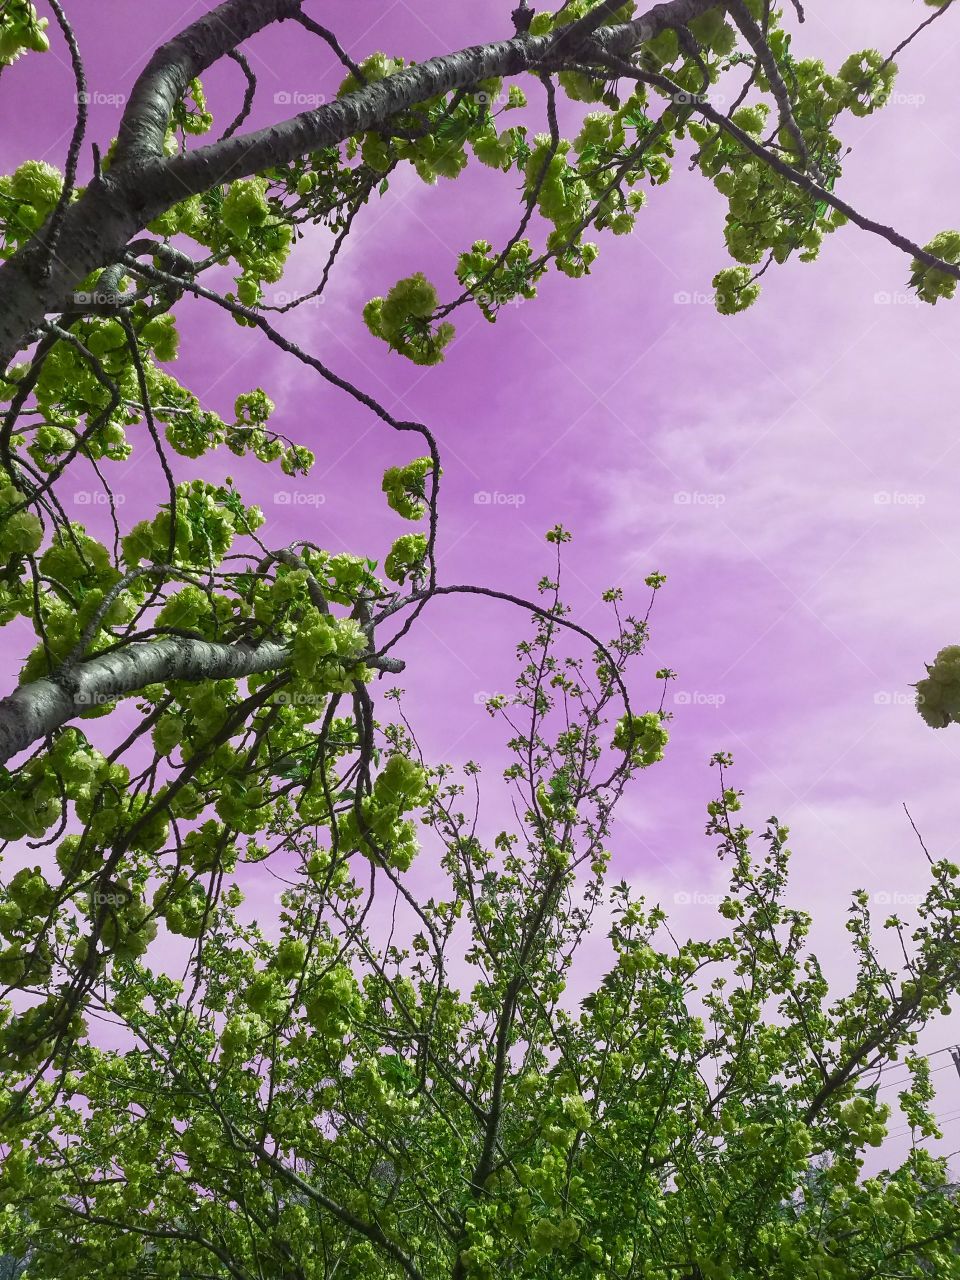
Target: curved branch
<point>249,94</point>
<point>166,77</point>
<point>76,139</point>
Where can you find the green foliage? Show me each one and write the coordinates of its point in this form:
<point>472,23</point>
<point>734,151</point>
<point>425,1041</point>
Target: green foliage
<point>450,1095</point>
<point>21,30</point>
<point>938,695</point>
<point>642,737</point>
<point>27,197</point>
<point>493,283</point>
<point>405,488</point>
<point>406,557</point>
<point>404,320</point>
<point>716,1071</point>
<point>931,282</point>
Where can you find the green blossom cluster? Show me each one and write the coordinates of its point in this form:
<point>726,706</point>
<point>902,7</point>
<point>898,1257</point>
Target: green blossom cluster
<point>379,829</point>
<point>404,320</point>
<point>493,283</point>
<point>643,736</point>
<point>199,529</point>
<point>933,283</point>
<point>29,195</point>
<point>938,695</point>
<point>21,30</point>
<point>405,488</point>
<point>406,558</point>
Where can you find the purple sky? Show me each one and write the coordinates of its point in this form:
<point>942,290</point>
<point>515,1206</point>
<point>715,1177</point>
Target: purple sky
<point>793,471</point>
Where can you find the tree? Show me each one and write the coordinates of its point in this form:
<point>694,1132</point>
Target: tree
<point>331,1103</point>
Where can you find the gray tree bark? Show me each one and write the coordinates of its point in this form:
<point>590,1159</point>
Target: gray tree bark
<point>141,183</point>
<point>36,709</point>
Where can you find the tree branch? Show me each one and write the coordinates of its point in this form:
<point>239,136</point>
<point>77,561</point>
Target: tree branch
<point>166,77</point>
<point>142,183</point>
<point>372,105</point>
<point>37,709</point>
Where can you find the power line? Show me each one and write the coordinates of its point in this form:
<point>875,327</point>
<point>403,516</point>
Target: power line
<point>950,1118</point>
<point>952,1049</point>
<point>892,1084</point>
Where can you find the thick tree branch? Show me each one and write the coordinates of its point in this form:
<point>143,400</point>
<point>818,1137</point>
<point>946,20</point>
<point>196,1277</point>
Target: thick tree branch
<point>37,709</point>
<point>165,79</point>
<point>141,184</point>
<point>375,103</point>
